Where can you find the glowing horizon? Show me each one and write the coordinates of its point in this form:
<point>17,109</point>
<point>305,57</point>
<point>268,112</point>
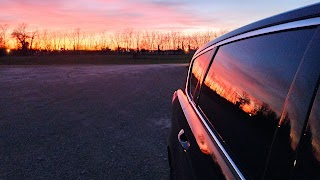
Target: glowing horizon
<point>98,17</point>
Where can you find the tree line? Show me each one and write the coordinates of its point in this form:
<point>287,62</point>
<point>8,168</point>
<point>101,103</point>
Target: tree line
<point>22,37</point>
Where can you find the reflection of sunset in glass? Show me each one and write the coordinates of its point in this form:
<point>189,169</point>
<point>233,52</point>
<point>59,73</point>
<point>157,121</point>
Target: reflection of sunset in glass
<point>246,89</point>
<point>236,76</point>
<point>199,69</point>
<point>314,124</point>
<point>232,94</point>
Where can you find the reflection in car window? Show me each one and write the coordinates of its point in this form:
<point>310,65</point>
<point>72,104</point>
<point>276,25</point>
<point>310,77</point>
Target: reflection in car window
<point>314,125</point>
<point>245,90</point>
<point>283,156</point>
<point>199,69</point>
<point>308,164</point>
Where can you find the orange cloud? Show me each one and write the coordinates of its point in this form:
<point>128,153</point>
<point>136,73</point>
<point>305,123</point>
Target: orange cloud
<point>98,15</point>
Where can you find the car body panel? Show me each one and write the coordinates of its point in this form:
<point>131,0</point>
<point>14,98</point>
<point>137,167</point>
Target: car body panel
<point>204,158</point>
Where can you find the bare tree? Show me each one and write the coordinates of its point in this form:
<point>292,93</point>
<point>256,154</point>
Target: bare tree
<point>174,39</point>
<point>159,40</point>
<point>3,35</point>
<point>54,39</point>
<point>64,37</point>
<point>152,37</point>
<point>59,41</point>
<point>45,40</point>
<point>243,99</point>
<point>166,41</point>
<point>183,41</point>
<point>207,37</point>
<point>33,34</point>
<point>98,43</point>
<point>83,44</point>
<point>127,38</point>
<point>137,37</point>
<point>21,35</point>
<point>189,41</point>
<point>77,38</point>
<point>117,40</point>
<point>145,42</point>
<point>196,40</point>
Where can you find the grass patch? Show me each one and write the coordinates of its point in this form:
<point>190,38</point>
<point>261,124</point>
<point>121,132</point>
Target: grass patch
<point>94,59</point>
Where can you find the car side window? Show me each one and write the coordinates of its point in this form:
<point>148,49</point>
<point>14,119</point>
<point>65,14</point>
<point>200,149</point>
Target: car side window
<point>245,90</point>
<point>290,133</point>
<point>308,162</point>
<point>198,71</point>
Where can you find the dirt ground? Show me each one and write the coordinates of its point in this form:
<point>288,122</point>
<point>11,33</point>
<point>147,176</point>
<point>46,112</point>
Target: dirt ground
<point>86,121</point>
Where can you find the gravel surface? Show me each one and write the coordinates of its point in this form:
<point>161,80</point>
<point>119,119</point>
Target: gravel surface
<point>86,122</point>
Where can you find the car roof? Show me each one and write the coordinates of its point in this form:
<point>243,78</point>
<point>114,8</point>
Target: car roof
<point>293,15</point>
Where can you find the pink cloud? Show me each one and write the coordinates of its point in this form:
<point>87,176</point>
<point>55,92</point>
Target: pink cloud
<point>96,15</point>
<point>113,15</point>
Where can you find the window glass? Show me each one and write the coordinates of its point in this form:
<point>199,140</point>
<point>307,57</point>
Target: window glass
<point>314,125</point>
<point>293,122</point>
<point>308,163</point>
<point>245,90</point>
<point>199,68</point>
<point>305,104</point>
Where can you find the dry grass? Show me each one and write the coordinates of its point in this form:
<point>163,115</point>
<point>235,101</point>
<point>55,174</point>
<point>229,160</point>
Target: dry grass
<point>93,59</point>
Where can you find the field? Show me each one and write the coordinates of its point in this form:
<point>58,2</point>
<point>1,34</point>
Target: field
<point>95,59</point>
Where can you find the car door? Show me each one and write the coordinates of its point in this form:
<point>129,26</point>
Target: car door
<point>181,136</point>
<point>244,92</point>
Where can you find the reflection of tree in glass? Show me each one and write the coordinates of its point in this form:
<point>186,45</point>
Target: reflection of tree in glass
<point>243,99</point>
<point>285,128</point>
<point>289,130</point>
<point>266,116</point>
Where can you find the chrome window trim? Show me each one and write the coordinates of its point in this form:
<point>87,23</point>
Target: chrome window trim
<point>191,64</point>
<point>280,27</point>
<point>201,53</point>
<point>276,28</point>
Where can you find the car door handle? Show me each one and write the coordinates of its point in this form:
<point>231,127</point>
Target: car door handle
<point>183,140</point>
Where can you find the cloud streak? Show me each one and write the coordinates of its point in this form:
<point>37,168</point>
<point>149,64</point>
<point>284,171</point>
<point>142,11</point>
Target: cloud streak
<point>95,15</point>
<point>114,15</point>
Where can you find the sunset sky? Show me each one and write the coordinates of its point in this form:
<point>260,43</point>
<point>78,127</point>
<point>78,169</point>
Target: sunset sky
<point>113,15</point>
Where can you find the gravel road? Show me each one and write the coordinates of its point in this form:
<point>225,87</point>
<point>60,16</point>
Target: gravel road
<point>86,122</point>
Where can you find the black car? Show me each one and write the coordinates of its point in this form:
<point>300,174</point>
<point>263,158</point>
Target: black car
<point>251,107</point>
